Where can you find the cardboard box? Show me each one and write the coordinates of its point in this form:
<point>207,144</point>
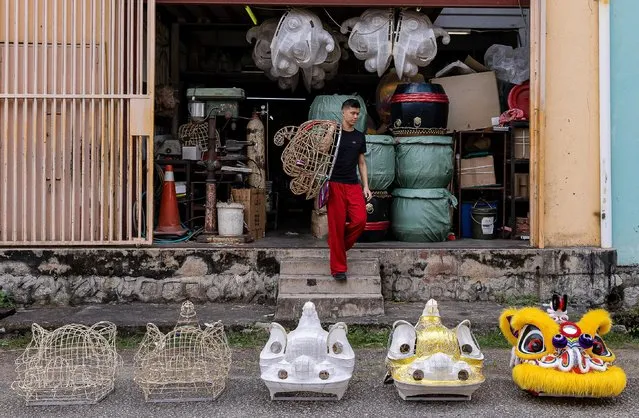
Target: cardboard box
<point>474,100</point>
<point>254,201</point>
<point>479,171</point>
<point>521,181</point>
<point>319,224</point>
<point>521,137</point>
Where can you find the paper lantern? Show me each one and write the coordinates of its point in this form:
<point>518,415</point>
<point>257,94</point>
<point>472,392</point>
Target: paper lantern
<point>371,38</point>
<point>300,41</point>
<point>415,42</point>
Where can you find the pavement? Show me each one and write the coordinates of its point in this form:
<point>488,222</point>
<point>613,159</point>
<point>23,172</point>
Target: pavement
<point>133,317</point>
<point>246,395</point>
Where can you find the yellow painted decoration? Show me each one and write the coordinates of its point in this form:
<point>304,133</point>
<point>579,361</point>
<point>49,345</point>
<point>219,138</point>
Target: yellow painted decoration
<point>430,361</point>
<point>553,356</point>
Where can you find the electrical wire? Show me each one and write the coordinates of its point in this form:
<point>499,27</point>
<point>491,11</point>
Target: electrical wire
<point>331,17</point>
<point>521,11</point>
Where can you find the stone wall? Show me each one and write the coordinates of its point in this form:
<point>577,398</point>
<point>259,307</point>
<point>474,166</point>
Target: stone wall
<point>249,275</point>
<point>149,275</point>
<point>626,290</point>
<point>499,275</point>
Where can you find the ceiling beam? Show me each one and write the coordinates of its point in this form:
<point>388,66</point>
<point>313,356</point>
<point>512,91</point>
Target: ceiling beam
<point>434,13</point>
<point>366,3</point>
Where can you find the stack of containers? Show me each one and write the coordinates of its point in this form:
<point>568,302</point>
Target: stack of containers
<point>421,208</point>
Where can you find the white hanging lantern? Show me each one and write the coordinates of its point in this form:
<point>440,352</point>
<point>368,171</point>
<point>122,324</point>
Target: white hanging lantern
<point>371,38</point>
<point>263,35</point>
<point>415,42</point>
<point>308,359</point>
<point>300,41</point>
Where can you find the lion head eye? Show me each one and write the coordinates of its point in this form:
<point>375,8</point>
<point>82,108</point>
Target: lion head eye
<point>599,347</point>
<point>532,340</point>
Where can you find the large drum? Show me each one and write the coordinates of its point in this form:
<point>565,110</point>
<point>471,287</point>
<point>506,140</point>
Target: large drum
<point>422,215</point>
<point>380,161</point>
<point>419,105</point>
<point>424,162</point>
<point>378,217</point>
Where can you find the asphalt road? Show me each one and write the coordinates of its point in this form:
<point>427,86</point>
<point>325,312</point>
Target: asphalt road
<point>246,395</point>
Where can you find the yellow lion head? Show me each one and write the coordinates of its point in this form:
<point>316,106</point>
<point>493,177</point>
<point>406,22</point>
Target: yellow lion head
<point>430,361</point>
<point>556,357</point>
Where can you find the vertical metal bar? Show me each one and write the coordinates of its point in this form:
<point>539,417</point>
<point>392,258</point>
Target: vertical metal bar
<point>130,67</point>
<point>16,88</point>
<point>34,127</point>
<point>129,178</point>
<point>129,41</point>
<point>140,46</point>
<point>103,131</point>
<point>5,130</point>
<point>149,140</point>
<point>25,129</point>
<point>84,207</point>
<point>121,191</point>
<point>93,161</point>
<point>112,149</point>
<point>111,119</point>
<point>64,176</point>
<point>72,127</point>
<point>54,119</point>
<point>138,181</point>
<point>139,49</point>
<point>44,145</point>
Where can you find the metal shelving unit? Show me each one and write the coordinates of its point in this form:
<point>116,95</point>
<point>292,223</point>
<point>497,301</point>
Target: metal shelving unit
<point>516,165</point>
<point>500,141</point>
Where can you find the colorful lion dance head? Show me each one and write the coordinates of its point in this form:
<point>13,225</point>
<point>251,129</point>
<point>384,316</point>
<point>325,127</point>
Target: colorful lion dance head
<point>553,356</point>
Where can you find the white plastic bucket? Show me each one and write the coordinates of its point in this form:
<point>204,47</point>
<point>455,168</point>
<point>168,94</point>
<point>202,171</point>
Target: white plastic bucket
<point>230,219</point>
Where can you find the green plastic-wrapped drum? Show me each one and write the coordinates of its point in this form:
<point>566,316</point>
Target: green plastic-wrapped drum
<point>424,162</point>
<point>421,215</point>
<point>329,107</point>
<point>380,161</point>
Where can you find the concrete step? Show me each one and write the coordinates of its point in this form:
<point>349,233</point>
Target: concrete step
<point>320,266</point>
<point>318,284</point>
<point>329,306</point>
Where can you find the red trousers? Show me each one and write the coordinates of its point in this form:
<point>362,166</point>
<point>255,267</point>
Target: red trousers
<point>344,201</point>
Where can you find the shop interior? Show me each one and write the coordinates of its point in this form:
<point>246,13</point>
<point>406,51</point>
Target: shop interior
<point>210,77</point>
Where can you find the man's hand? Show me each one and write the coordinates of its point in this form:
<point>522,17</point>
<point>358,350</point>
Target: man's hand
<point>367,194</point>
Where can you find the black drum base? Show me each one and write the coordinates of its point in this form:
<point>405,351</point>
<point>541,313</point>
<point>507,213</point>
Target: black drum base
<point>372,233</point>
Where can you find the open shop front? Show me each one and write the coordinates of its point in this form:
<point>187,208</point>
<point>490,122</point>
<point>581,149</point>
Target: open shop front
<point>444,93</point>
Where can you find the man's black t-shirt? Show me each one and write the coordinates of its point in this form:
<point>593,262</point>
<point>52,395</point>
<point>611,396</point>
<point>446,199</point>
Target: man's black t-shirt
<point>351,145</point>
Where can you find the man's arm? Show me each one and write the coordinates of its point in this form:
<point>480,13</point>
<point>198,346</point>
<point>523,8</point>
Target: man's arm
<point>326,142</point>
<point>363,173</point>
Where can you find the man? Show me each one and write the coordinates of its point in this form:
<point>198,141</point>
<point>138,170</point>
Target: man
<point>345,194</point>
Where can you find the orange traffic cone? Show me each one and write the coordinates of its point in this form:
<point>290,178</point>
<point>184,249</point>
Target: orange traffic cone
<point>169,220</point>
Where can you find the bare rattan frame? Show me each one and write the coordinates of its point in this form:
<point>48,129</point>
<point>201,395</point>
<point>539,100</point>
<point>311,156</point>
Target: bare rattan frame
<point>73,364</point>
<point>189,363</point>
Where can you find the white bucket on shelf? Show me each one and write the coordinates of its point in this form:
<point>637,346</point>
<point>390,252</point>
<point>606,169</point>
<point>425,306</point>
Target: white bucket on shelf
<point>230,219</point>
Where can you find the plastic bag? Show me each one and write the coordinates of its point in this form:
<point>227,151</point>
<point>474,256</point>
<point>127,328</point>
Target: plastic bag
<point>510,65</point>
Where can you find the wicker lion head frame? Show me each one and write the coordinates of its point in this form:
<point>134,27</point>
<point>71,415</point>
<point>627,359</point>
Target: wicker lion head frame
<point>310,154</point>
